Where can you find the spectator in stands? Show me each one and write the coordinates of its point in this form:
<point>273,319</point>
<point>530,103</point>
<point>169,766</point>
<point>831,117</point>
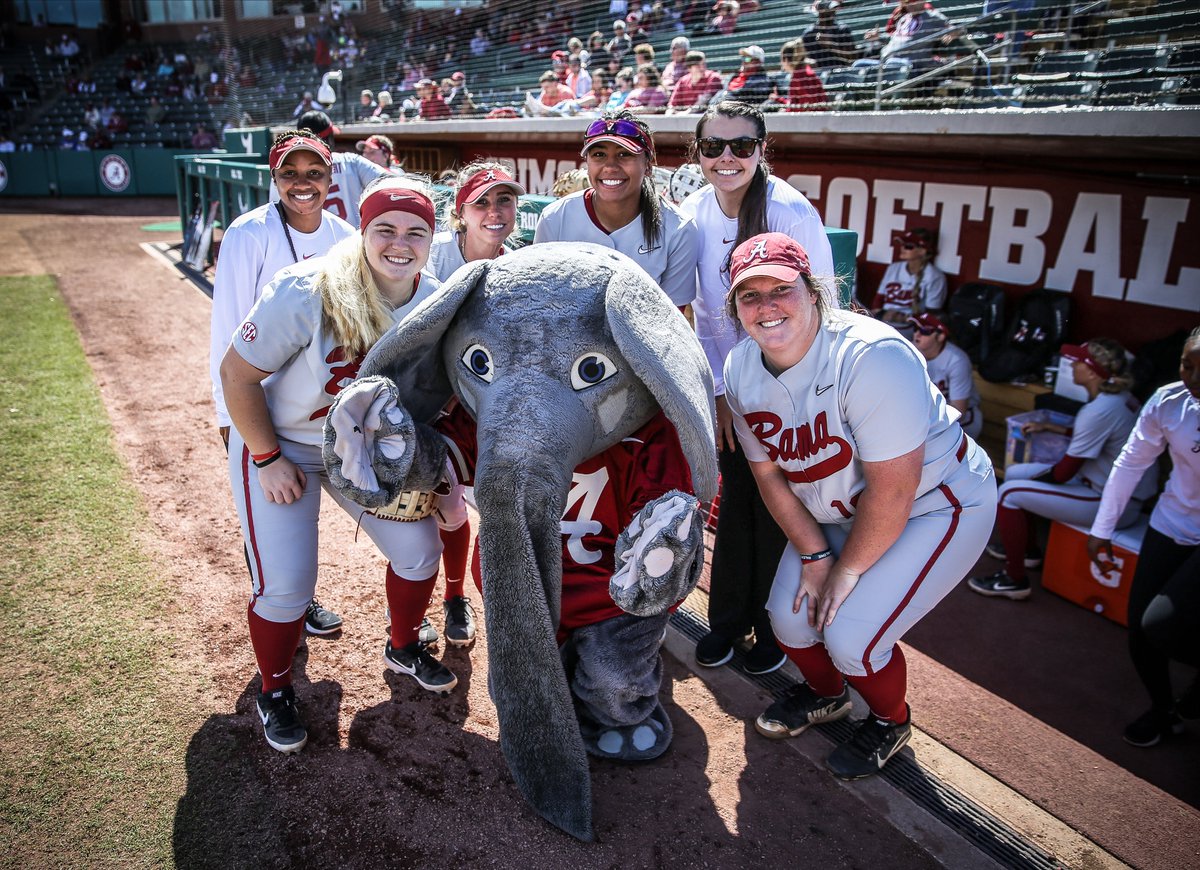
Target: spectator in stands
<point>596,45</point>
<point>99,139</point>
<point>305,105</point>
<point>575,46</point>
<point>433,107</point>
<point>678,67</point>
<point>919,22</point>
<point>872,36</point>
<point>91,115</point>
<point>750,84</point>
<point>620,44</point>
<point>558,63</point>
<point>203,138</point>
<point>598,96</point>
<point>366,104</point>
<point>155,111</point>
<point>1067,491</point>
<point>616,100</point>
<point>553,92</point>
<point>805,92</point>
<point>1164,597</point>
<point>912,284</point>
<point>949,369</point>
<point>643,54</point>
<point>694,91</point>
<point>579,80</point>
<point>380,151</point>
<point>105,112</point>
<point>459,99</point>
<point>634,26</point>
<point>480,44</point>
<point>117,123</point>
<point>724,19</point>
<point>138,84</point>
<point>648,97</point>
<point>7,146</point>
<point>828,43</point>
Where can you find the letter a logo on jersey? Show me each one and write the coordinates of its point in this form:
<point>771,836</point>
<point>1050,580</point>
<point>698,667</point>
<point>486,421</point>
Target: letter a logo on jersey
<point>759,251</point>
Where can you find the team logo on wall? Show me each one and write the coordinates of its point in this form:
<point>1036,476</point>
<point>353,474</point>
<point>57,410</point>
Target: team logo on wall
<point>115,173</point>
<point>3,177</point>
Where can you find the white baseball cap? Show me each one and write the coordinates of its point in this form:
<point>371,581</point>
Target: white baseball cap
<point>754,52</point>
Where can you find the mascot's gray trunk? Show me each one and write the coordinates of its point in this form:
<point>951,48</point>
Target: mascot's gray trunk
<point>520,487</point>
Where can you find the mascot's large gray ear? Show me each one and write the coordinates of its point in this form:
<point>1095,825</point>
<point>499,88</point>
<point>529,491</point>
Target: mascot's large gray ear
<point>666,356</point>
<point>410,353</point>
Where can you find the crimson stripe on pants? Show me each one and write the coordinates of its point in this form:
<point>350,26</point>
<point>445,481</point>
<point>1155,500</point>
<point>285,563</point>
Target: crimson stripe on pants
<point>912,590</point>
<point>1052,492</point>
<point>250,522</point>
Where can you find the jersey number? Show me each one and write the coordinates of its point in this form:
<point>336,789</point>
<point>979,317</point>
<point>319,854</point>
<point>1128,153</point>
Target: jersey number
<point>334,203</point>
<point>587,489</point>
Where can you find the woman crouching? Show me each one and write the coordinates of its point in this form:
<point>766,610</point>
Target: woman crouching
<point>885,502</point>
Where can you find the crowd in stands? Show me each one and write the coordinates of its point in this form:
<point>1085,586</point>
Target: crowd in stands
<point>419,68</point>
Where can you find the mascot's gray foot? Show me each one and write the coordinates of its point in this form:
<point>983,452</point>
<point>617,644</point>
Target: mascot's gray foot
<point>644,741</point>
<point>658,556</point>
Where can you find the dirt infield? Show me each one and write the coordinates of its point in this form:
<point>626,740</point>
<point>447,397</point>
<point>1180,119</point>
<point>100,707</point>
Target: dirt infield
<point>1034,693</point>
<point>392,775</point>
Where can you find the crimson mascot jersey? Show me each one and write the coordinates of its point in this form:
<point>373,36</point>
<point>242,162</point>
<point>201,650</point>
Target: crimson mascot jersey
<point>607,490</point>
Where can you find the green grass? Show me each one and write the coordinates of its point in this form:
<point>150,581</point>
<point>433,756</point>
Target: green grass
<point>91,754</point>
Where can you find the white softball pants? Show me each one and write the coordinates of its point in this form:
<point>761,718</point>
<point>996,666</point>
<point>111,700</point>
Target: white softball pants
<point>281,539</point>
<point>947,531</point>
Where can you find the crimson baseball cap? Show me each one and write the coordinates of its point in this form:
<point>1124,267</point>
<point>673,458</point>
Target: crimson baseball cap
<point>1080,353</point>
<point>920,237</point>
<point>480,183</point>
<point>459,76</point>
<point>774,255</point>
<point>381,142</point>
<point>318,123</point>
<point>280,152</point>
<point>927,324</point>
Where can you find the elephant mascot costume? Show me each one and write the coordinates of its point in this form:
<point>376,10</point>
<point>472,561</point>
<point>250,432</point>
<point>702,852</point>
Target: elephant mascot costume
<point>585,423</point>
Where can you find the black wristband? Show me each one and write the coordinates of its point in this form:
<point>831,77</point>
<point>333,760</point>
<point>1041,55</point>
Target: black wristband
<point>805,558</point>
<point>268,460</point>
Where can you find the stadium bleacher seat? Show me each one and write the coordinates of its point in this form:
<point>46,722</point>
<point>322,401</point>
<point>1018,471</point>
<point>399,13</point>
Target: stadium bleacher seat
<point>1043,95</point>
<point>1050,66</point>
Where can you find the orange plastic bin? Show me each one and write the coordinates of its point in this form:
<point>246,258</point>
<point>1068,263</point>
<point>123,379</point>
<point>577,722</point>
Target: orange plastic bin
<point>1070,573</point>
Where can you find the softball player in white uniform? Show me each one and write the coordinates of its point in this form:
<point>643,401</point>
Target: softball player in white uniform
<point>259,244</point>
<point>885,501</point>
<point>300,345</point>
<point>485,214</point>
<point>949,369</point>
<point>1164,597</point>
<point>1068,491</point>
<point>621,210</point>
<point>742,199</point>
<point>256,247</point>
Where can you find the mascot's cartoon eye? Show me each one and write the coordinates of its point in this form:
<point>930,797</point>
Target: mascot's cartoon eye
<point>479,361</point>
<point>590,369</point>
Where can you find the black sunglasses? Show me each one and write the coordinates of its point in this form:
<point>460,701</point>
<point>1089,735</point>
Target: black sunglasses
<point>741,147</point>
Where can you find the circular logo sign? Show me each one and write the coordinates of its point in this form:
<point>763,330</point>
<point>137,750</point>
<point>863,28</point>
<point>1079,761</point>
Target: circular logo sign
<point>115,173</point>
<point>3,177</point>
